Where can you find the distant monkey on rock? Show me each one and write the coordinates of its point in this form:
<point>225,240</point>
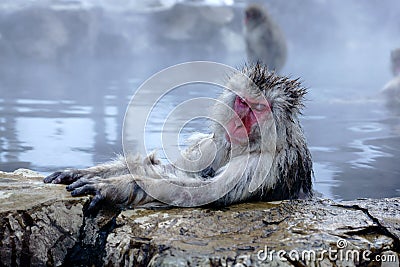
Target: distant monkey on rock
<point>391,90</point>
<point>261,125</point>
<point>264,39</point>
<point>395,61</point>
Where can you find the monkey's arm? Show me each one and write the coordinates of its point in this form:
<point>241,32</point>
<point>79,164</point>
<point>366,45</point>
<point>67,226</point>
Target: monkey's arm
<point>205,155</point>
<point>114,168</point>
<point>115,183</point>
<point>166,184</point>
<point>105,170</point>
<point>163,182</point>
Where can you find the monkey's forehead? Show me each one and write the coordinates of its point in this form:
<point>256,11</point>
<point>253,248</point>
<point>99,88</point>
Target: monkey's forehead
<point>255,8</point>
<point>242,85</point>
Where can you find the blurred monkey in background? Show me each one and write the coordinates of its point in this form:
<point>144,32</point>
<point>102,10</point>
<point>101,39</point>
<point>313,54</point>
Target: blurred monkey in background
<point>264,39</point>
<point>391,90</point>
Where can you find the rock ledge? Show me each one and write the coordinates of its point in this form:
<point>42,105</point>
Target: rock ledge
<point>42,225</point>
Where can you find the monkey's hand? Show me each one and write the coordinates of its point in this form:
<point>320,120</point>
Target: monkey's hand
<point>120,191</point>
<point>109,169</point>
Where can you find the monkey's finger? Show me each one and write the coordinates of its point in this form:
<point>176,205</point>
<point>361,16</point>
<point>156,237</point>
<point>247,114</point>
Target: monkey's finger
<point>88,189</point>
<point>79,183</point>
<point>51,177</point>
<point>62,177</point>
<point>95,201</point>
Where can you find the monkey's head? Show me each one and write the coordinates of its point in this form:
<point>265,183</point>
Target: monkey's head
<point>395,60</point>
<point>254,15</point>
<point>264,106</point>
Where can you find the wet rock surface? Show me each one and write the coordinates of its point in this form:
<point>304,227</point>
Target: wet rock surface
<point>42,225</point>
<point>39,223</point>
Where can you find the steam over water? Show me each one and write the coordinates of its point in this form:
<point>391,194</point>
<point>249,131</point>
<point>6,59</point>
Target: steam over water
<point>69,68</point>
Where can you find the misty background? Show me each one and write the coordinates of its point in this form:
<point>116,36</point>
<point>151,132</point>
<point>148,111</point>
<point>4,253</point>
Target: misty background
<point>69,68</point>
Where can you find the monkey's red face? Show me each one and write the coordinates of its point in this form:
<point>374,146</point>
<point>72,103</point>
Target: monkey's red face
<point>251,14</point>
<point>251,112</point>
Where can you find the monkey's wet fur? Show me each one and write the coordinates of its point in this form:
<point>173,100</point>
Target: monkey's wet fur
<point>265,103</point>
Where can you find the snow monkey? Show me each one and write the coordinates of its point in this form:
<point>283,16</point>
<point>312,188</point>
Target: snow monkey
<point>391,90</point>
<point>395,61</point>
<point>261,125</point>
<point>265,41</point>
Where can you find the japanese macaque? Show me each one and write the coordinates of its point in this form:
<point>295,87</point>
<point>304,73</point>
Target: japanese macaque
<point>391,90</point>
<point>265,41</point>
<point>258,142</point>
<point>395,61</point>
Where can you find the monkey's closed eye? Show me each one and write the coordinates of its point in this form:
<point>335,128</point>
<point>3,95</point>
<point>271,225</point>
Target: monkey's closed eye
<point>259,107</point>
